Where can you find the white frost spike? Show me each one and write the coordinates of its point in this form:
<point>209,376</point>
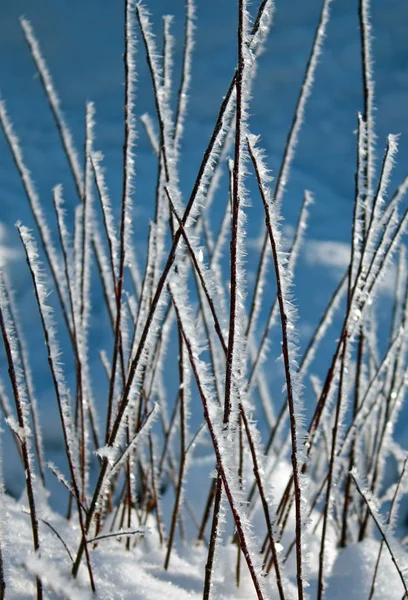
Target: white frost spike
<point>54,102</point>
<point>148,124</point>
<point>290,150</point>
<point>34,202</point>
<point>130,126</point>
<point>263,26</point>
<point>361,192</point>
<point>65,239</point>
<point>168,58</point>
<point>369,88</point>
<point>288,316</point>
<point>223,442</point>
<point>4,525</point>
<point>235,380</point>
<point>259,357</point>
<point>111,229</point>
<point>388,164</point>
<point>111,453</point>
<point>26,371</point>
<point>21,426</point>
<point>186,75</point>
<point>55,354</point>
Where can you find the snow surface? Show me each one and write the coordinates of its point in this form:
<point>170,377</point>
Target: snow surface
<point>139,575</point>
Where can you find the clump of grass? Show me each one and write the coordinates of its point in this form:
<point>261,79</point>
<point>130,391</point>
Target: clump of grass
<point>120,461</point>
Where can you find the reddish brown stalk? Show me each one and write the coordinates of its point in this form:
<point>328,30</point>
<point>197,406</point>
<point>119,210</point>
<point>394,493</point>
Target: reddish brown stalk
<point>258,480</point>
<point>290,397</point>
<point>155,301</point>
<point>393,503</point>
<point>124,208</point>
<point>207,510</point>
<point>221,471</point>
<point>79,409</point>
<point>59,402</point>
<point>240,473</point>
<point>48,88</point>
<point>43,242</point>
<point>289,150</point>
<point>381,532</point>
<point>155,491</point>
<point>25,367</point>
<point>265,505</point>
<point>23,443</point>
<point>347,494</point>
<point>182,452</point>
<point>156,96</point>
<point>233,291</point>
<point>327,506</point>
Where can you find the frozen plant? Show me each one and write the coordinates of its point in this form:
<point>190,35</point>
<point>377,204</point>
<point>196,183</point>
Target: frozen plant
<point>292,491</point>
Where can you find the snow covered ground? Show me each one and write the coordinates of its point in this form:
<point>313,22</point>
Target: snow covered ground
<point>138,574</point>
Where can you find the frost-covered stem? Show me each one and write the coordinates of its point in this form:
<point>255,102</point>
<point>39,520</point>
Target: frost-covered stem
<point>36,210</point>
<point>3,523</point>
<point>360,185</point>
<point>368,98</point>
<point>161,285</point>
<point>234,274</point>
<point>107,218</point>
<point>63,129</point>
<point>357,390</point>
<point>240,474</point>
<point>155,491</point>
<point>380,530</point>
<point>84,276</point>
<point>310,351</point>
<point>22,424</point>
<point>209,565</point>
<point>27,375</point>
<point>220,461</point>
<point>129,500</point>
<point>181,109</point>
<point>289,384</point>
<point>182,450</point>
<point>126,183</point>
<point>207,510</point>
<point>393,503</point>
<point>235,225</point>
<point>54,103</point>
<point>293,254</point>
<point>28,241</point>
<point>265,506</point>
<point>168,53</point>
<point>289,152</point>
<point>198,270</point>
<point>331,474</point>
<point>63,236</point>
<point>258,479</point>
<point>141,16</point>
